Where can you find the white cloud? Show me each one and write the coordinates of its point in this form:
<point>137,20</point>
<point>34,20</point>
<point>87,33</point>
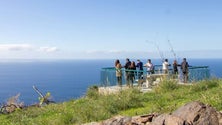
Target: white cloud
<point>26,47</point>
<point>48,49</point>
<point>16,47</point>
<point>28,51</point>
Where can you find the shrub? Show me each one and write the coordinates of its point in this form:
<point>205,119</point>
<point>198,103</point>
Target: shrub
<point>92,92</point>
<point>205,85</point>
<point>166,86</point>
<point>126,99</point>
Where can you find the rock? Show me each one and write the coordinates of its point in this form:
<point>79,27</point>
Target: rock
<point>197,113</point>
<point>166,119</point>
<point>219,116</point>
<point>193,113</point>
<point>143,119</point>
<point>118,120</point>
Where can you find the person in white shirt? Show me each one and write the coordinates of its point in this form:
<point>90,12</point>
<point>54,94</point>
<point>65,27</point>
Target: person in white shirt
<point>166,66</point>
<point>150,67</point>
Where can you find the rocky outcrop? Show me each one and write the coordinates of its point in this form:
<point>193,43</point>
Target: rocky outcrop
<point>11,105</point>
<point>197,113</point>
<point>193,113</point>
<point>166,119</point>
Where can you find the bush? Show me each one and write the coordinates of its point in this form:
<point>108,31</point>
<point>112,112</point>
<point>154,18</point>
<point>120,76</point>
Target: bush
<point>92,92</point>
<point>125,99</point>
<point>166,86</point>
<point>205,85</point>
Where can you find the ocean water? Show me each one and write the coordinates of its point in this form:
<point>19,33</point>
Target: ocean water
<point>64,79</point>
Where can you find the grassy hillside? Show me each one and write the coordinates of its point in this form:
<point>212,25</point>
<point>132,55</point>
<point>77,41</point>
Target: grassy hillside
<point>167,97</point>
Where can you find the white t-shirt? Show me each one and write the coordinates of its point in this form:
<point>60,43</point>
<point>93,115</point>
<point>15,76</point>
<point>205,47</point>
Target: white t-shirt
<point>165,65</point>
<point>149,66</point>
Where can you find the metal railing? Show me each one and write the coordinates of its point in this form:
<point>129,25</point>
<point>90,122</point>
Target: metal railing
<point>196,73</point>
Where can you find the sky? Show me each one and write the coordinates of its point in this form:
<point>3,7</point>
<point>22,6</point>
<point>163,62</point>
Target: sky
<point>110,29</point>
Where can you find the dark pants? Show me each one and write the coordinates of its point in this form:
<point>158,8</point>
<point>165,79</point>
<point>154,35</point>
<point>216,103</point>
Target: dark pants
<point>119,80</point>
<point>132,78</point>
<point>185,77</point>
<point>128,78</point>
<point>140,75</point>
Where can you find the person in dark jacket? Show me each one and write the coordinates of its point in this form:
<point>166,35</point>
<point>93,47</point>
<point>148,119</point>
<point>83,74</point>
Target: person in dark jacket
<point>127,68</point>
<point>175,65</point>
<point>132,73</point>
<point>185,71</point>
<point>175,69</point>
<point>139,65</point>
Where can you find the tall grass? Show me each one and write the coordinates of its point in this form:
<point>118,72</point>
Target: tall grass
<point>166,97</point>
<point>166,86</point>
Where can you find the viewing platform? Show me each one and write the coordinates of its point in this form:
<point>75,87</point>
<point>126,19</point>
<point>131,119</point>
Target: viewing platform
<point>109,83</point>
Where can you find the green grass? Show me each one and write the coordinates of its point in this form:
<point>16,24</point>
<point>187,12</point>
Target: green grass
<point>164,98</point>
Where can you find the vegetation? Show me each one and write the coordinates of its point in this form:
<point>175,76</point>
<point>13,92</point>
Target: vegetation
<point>164,98</point>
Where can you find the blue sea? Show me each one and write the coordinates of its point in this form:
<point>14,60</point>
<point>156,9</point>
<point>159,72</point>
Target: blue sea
<point>64,79</point>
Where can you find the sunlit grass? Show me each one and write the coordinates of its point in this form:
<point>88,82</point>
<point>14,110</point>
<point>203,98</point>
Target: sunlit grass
<point>164,98</point>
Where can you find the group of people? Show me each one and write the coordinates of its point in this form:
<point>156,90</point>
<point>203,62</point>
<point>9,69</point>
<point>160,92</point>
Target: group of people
<point>131,66</point>
<point>184,69</point>
<point>183,66</point>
